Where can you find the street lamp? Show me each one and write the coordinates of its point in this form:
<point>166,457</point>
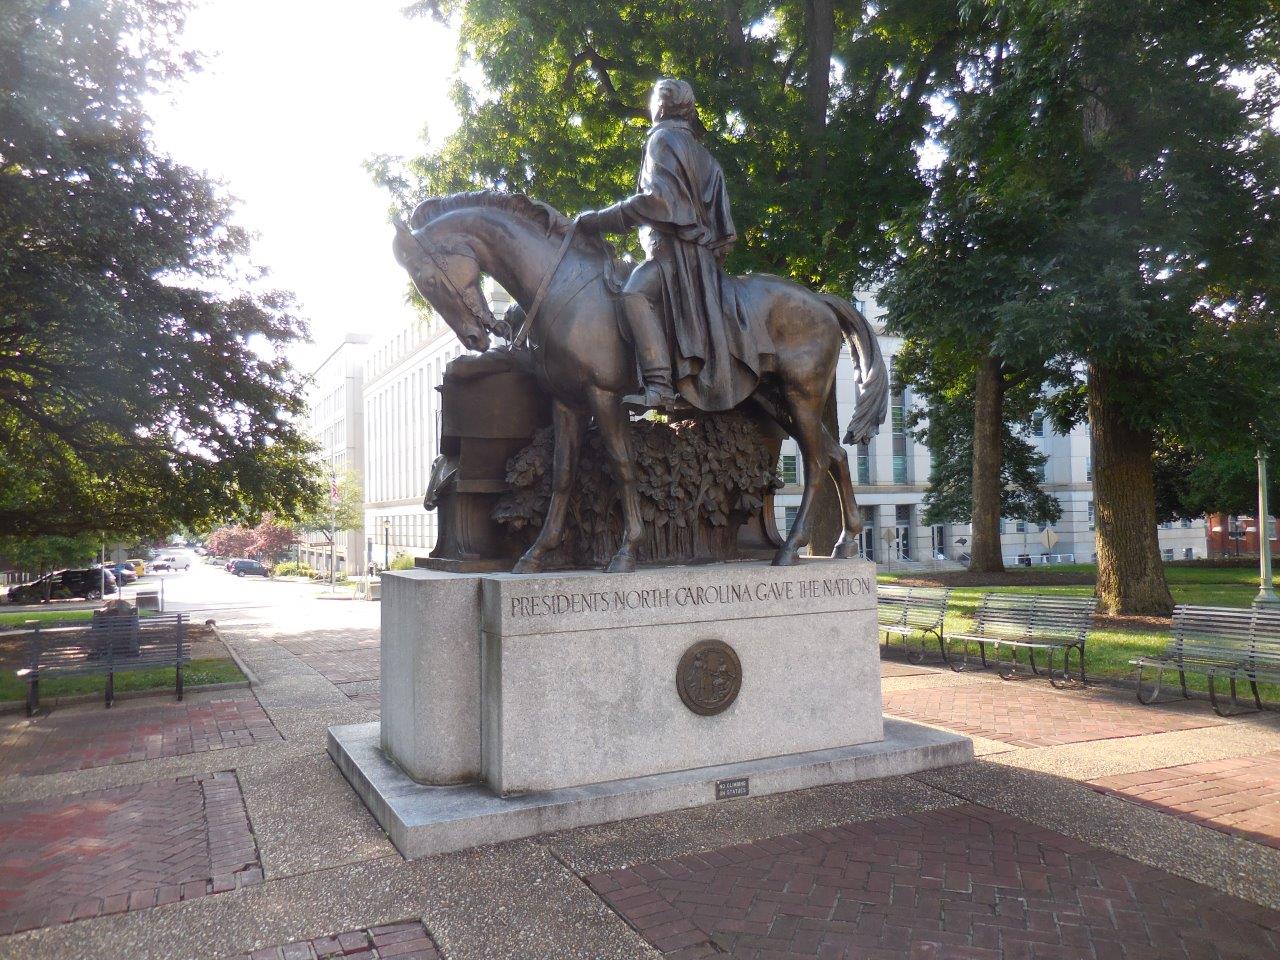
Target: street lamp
<point>386,543</point>
<point>1266,592</point>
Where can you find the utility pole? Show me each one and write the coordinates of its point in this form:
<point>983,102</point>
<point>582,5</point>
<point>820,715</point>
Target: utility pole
<point>333,532</point>
<point>1266,591</point>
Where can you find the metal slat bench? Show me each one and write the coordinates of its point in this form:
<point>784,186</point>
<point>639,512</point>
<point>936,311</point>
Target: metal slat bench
<point>105,646</point>
<point>1031,622</point>
<point>1227,643</point>
<point>904,611</point>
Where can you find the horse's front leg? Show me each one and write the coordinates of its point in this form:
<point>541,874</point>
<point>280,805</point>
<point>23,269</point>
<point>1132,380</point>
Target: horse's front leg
<point>614,429</point>
<point>568,425</point>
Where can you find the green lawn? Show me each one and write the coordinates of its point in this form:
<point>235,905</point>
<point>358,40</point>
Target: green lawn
<point>8,620</point>
<point>1109,649</point>
<point>197,672</point>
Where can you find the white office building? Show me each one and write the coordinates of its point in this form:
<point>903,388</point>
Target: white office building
<point>336,407</point>
<point>891,475</point>
<point>402,417</point>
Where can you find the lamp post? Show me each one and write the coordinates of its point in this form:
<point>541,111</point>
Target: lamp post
<point>386,543</point>
<point>1266,591</point>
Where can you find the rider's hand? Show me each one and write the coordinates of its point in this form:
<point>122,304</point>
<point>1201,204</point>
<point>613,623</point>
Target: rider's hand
<point>588,221</point>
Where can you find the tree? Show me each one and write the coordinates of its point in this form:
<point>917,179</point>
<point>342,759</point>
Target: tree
<point>37,554</point>
<point>271,540</point>
<point>947,423</point>
<point>232,541</point>
<point>143,383</point>
<point>346,514</point>
<point>1141,175</point>
<point>813,110</point>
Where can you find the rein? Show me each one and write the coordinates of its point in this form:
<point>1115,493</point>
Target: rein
<point>485,322</point>
<point>542,288</point>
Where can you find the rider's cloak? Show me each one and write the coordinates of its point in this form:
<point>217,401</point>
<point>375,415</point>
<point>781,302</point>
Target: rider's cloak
<point>682,207</point>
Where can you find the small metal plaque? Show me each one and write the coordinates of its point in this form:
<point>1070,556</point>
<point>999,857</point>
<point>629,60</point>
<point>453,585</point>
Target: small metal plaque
<point>729,789</point>
<point>709,677</point>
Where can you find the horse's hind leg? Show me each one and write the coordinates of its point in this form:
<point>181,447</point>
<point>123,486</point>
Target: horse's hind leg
<point>614,428</point>
<point>806,416</point>
<point>847,546</point>
<point>568,425</point>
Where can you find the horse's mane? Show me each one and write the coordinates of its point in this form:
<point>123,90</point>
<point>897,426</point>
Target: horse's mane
<point>544,216</point>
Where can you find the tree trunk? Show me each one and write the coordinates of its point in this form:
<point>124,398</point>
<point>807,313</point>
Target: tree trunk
<point>985,555</point>
<point>820,35</point>
<point>1130,572</point>
<point>827,522</point>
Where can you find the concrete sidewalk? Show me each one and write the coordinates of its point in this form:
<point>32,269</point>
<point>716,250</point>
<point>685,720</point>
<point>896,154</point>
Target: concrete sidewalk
<point>218,828</point>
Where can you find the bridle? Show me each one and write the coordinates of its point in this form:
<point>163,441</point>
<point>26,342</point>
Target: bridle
<point>486,323</point>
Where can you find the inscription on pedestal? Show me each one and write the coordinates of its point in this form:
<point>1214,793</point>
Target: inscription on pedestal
<point>658,598</point>
<point>709,677</point>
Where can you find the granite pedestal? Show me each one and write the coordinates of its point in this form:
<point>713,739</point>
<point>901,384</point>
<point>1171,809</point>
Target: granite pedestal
<point>513,705</point>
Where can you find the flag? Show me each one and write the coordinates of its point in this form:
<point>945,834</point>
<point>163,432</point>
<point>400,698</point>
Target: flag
<point>333,488</point>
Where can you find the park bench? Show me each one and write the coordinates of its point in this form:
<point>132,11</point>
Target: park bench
<point>907,611</point>
<point>1226,643</point>
<point>1034,622</point>
<point>104,646</point>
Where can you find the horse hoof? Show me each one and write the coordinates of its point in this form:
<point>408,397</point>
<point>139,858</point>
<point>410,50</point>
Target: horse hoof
<point>786,557</point>
<point>844,551</point>
<point>527,564</point>
<point>621,563</point>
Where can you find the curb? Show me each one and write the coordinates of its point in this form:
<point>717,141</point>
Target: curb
<point>251,678</point>
<point>18,706</point>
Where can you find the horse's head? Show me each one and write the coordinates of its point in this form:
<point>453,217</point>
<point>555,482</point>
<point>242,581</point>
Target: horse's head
<point>449,278</point>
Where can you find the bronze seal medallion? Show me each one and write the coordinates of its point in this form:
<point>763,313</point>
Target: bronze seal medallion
<point>709,677</point>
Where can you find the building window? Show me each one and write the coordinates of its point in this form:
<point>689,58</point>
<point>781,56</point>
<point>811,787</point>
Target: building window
<point>864,464</point>
<point>1167,525</point>
<point>1167,553</point>
<point>1040,473</point>
<point>1092,518</point>
<point>1188,554</point>
<point>1186,524</point>
<point>1037,424</point>
<point>868,535</point>
<point>902,518</point>
<point>1088,469</point>
<point>899,465</point>
<point>788,519</point>
<point>788,468</point>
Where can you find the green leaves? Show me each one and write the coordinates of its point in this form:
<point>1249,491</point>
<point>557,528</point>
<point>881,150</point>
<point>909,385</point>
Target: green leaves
<point>143,384</point>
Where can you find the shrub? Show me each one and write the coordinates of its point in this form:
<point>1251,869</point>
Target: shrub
<point>402,561</point>
<point>293,569</point>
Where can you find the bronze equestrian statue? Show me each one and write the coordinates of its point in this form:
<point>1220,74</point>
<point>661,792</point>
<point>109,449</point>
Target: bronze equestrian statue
<point>729,341</point>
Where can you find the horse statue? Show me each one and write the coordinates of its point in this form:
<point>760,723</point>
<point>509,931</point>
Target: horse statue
<point>566,282</point>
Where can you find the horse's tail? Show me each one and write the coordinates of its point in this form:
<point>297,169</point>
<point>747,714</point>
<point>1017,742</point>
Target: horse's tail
<point>872,400</point>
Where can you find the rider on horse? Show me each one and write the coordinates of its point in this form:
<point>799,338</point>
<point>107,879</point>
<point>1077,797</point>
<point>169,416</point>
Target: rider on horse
<point>681,309</point>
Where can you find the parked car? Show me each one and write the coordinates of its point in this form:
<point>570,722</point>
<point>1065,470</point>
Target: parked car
<point>176,562</point>
<point>65,584</point>
<point>139,565</point>
<point>249,568</point>
<point>124,573</point>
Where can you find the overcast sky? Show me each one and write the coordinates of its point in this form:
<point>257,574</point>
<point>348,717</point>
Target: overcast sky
<point>294,98</point>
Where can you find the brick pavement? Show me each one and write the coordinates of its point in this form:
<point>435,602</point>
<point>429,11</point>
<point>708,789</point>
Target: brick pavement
<point>964,882</point>
<point>1026,714</point>
<point>344,666</point>
<point>124,848</point>
<point>407,940</point>
<point>91,736</point>
<point>1237,795</point>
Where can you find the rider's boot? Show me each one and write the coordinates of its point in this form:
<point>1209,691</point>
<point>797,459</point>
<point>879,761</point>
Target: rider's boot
<point>653,354</point>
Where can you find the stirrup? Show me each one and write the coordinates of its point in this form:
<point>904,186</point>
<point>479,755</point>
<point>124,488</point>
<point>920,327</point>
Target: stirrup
<point>655,397</point>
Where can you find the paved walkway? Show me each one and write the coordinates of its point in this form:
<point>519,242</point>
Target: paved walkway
<point>1089,827</point>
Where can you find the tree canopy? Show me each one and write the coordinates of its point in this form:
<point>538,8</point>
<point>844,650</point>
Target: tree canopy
<point>143,383</point>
